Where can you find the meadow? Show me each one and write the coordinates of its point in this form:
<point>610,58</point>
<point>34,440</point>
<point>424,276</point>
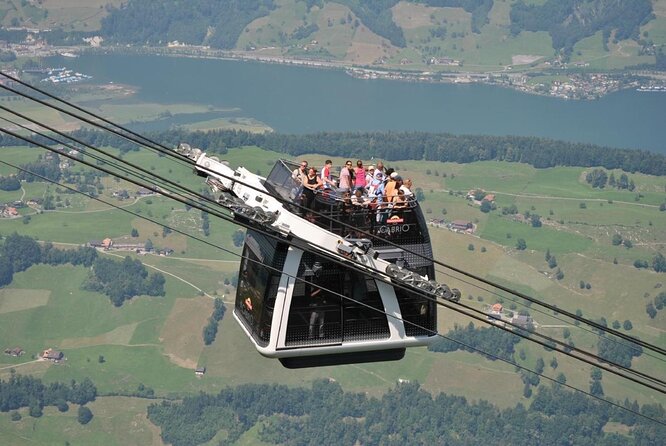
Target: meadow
<point>157,341</point>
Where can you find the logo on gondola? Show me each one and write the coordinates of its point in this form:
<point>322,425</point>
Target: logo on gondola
<point>393,229</point>
<point>395,219</point>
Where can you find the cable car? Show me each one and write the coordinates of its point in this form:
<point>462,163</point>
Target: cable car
<point>314,289</point>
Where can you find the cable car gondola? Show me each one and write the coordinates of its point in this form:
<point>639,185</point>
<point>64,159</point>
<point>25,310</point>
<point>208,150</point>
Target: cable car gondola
<point>318,288</point>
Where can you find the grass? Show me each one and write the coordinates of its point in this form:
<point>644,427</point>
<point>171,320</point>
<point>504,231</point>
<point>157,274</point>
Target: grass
<point>18,300</point>
<point>157,341</point>
<point>116,421</point>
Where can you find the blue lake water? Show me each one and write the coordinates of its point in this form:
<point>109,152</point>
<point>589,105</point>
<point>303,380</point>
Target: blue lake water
<point>294,99</point>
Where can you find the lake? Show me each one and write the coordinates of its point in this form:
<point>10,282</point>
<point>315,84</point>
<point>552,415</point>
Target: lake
<point>294,99</point>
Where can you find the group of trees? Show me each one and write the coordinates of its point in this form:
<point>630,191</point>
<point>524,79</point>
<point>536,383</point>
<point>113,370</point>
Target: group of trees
<point>217,23</point>
<point>658,263</point>
<point>568,21</point>
<point>498,344</point>
<point>393,146</point>
<point>9,183</point>
<point>599,178</point>
<point>47,166</point>
<point>123,280</point>
<point>20,252</point>
<point>618,351</point>
<point>210,330</point>
<point>659,303</point>
<point>406,414</point>
<point>27,391</point>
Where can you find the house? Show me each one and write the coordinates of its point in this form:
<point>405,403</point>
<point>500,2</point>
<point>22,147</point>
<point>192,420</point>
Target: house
<point>461,225</point>
<point>16,351</point>
<point>52,355</point>
<point>143,192</point>
<point>200,371</point>
<point>489,197</point>
<point>95,243</point>
<point>522,321</point>
<point>107,243</point>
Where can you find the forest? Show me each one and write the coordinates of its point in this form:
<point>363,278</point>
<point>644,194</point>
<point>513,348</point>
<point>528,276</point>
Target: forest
<point>27,391</point>
<point>568,21</point>
<point>499,344</point>
<point>216,23</point>
<point>20,252</point>
<point>405,414</point>
<point>394,146</point>
<point>123,280</point>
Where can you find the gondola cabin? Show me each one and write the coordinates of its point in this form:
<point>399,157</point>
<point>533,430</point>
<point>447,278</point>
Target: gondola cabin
<point>310,310</point>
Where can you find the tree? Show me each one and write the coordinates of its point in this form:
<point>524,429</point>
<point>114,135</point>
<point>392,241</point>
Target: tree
<point>16,416</point>
<point>35,408</point>
<point>238,237</point>
<point>651,311</point>
<point>101,359</point>
<point>616,325</point>
<point>627,325</point>
<point>552,262</point>
<point>470,247</point>
<point>559,275</point>
<point>149,245</point>
<point>521,244</point>
<point>597,178</point>
<point>486,206</point>
<point>627,243</point>
<point>547,254</point>
<point>659,263</point>
<point>535,220</point>
<point>616,240</point>
<point>85,415</point>
<point>553,363</point>
<point>135,232</point>
<point>561,378</point>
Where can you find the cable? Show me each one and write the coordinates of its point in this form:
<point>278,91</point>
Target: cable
<point>88,121</point>
<point>76,107</point>
<point>165,150</point>
<point>351,299</point>
<point>520,334</point>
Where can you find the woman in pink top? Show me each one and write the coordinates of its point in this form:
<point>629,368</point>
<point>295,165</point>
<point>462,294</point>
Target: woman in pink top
<point>346,181</point>
<point>359,181</point>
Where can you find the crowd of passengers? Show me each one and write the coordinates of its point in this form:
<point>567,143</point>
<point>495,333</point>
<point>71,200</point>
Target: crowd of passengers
<point>372,187</point>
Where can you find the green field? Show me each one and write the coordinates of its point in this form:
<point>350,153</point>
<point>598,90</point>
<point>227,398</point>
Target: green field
<point>157,341</point>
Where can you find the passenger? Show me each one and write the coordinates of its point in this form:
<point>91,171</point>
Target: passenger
<point>392,193</point>
<point>380,167</point>
<point>299,174</point>
<point>400,201</point>
<point>311,184</point>
<point>346,177</point>
<point>389,188</point>
<point>376,187</point>
<point>359,176</point>
<point>407,188</point>
<point>317,314</point>
<point>369,176</point>
<point>358,199</point>
<point>326,175</point>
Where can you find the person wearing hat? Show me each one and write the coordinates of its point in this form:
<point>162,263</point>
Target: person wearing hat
<point>376,186</point>
<point>369,176</point>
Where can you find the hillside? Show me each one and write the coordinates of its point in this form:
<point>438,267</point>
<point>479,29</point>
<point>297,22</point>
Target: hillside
<point>156,342</point>
<point>414,34</point>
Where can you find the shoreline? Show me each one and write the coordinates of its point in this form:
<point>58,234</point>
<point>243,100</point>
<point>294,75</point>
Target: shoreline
<point>576,86</point>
